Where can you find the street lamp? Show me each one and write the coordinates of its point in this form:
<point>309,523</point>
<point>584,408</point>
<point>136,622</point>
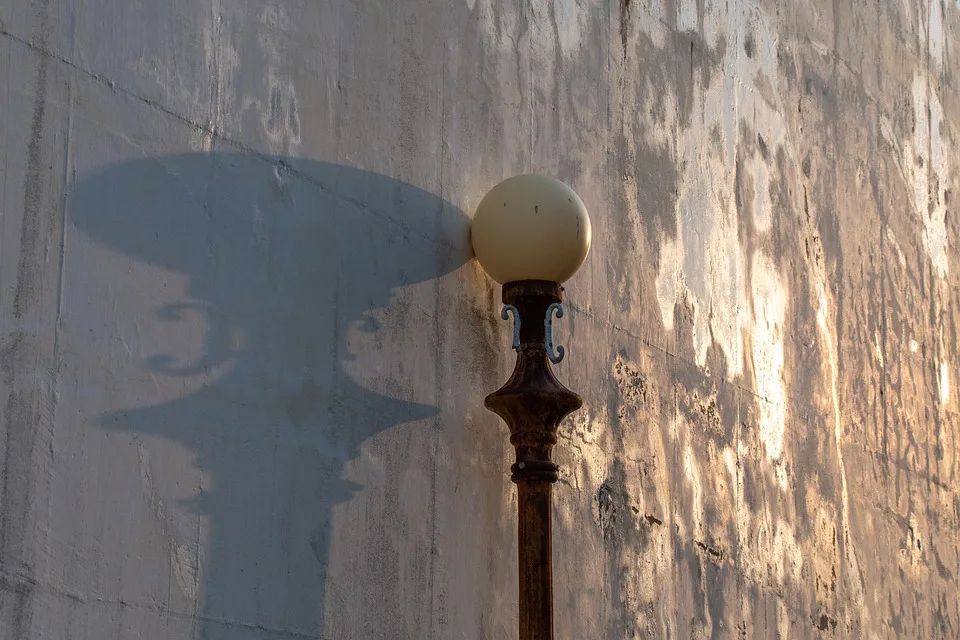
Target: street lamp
<point>531,233</point>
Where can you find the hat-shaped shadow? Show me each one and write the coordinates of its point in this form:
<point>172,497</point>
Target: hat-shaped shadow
<point>287,254</point>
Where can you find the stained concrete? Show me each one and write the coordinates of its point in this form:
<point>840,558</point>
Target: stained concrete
<point>244,346</point>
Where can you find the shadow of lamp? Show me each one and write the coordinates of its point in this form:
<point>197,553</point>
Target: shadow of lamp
<point>531,233</point>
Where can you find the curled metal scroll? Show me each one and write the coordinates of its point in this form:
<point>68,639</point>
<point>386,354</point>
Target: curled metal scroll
<point>516,323</point>
<point>548,326</point>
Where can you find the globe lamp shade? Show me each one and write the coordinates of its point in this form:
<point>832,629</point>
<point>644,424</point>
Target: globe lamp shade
<point>531,227</point>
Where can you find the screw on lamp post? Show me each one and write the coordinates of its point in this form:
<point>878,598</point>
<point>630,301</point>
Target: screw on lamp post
<point>531,233</point>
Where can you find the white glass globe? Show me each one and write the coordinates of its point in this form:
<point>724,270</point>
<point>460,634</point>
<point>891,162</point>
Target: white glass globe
<point>531,227</point>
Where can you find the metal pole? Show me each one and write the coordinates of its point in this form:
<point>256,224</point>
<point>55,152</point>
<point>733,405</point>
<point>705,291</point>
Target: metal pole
<point>535,560</point>
<point>532,403</point>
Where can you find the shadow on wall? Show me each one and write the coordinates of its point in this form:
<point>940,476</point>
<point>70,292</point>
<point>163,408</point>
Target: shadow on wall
<point>288,254</point>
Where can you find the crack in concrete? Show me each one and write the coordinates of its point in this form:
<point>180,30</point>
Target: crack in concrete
<point>14,581</point>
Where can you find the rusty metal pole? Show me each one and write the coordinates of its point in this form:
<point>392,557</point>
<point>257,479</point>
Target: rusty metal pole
<point>532,403</point>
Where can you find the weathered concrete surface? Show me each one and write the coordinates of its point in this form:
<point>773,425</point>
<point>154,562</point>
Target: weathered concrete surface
<point>243,348</point>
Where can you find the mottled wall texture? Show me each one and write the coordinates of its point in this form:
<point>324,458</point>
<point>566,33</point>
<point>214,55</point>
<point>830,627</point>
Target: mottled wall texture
<point>244,345</point>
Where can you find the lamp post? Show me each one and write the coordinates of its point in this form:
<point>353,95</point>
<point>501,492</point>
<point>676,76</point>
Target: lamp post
<point>531,233</point>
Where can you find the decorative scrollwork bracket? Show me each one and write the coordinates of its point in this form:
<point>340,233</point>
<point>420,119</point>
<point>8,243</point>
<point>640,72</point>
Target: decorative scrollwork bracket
<point>548,328</point>
<point>516,323</point>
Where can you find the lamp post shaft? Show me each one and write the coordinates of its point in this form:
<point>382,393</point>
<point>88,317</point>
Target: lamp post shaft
<point>532,403</point>
<point>535,552</point>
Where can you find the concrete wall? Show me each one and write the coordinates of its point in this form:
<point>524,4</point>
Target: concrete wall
<point>243,345</point>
